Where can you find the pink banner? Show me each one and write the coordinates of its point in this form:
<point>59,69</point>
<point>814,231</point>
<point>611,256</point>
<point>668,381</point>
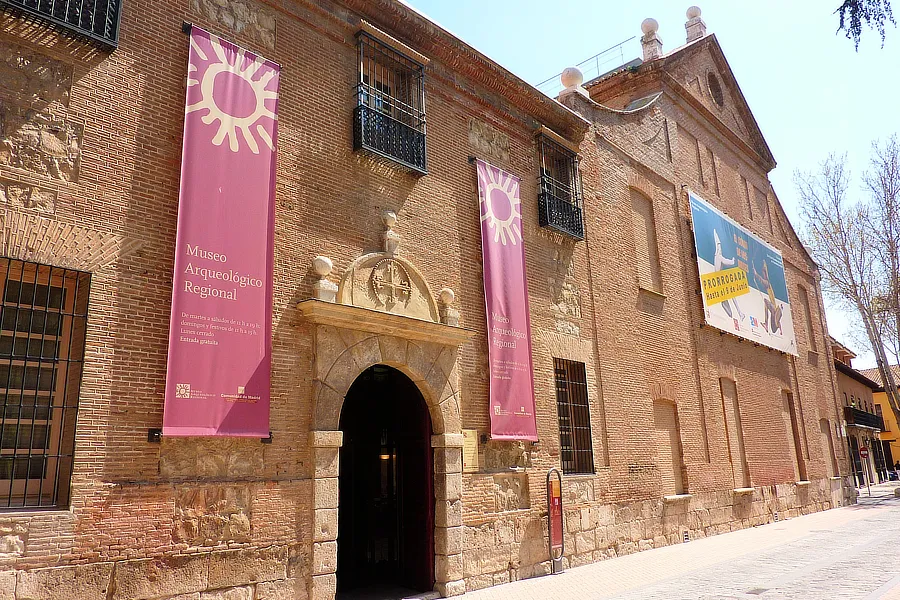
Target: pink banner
<point>217,382</point>
<point>506,303</point>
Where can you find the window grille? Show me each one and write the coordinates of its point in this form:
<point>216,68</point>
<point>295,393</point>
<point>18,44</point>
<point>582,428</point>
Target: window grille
<point>95,20</point>
<point>389,119</point>
<point>42,332</point>
<point>576,447</point>
<point>559,200</point>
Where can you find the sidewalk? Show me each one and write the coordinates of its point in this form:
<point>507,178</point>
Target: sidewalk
<point>845,553</point>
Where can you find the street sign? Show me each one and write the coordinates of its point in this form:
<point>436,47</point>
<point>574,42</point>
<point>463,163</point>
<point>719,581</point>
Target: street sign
<point>864,452</point>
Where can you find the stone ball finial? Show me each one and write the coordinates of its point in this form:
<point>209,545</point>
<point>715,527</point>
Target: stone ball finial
<point>693,12</point>
<point>571,77</point>
<point>446,296</point>
<point>322,266</point>
<point>389,218</point>
<point>649,25</point>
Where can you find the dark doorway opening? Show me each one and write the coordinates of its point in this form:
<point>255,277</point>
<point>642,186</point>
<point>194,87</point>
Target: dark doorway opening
<point>386,514</point>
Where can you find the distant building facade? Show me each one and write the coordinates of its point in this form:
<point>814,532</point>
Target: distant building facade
<point>662,426</point>
<point>863,417</point>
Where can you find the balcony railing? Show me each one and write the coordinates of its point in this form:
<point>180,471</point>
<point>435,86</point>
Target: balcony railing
<point>95,20</point>
<point>385,136</point>
<point>861,418</point>
<point>556,210</point>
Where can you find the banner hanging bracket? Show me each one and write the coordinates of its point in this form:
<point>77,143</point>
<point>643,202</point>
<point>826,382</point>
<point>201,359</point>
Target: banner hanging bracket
<point>186,27</point>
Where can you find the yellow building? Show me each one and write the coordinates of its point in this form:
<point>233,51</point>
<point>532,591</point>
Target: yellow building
<point>890,436</point>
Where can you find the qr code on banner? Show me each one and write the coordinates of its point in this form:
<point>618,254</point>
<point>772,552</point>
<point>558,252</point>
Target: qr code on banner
<point>182,390</point>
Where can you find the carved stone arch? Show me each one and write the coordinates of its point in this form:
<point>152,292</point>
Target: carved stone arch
<point>386,282</point>
<point>347,341</point>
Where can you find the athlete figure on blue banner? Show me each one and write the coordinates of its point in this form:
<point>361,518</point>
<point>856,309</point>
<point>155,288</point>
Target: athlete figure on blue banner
<point>772,309</point>
<point>721,261</point>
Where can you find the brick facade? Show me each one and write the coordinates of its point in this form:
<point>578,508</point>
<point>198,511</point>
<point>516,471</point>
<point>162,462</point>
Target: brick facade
<point>90,144</point>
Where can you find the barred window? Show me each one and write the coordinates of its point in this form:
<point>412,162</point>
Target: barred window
<point>576,448</point>
<point>94,20</point>
<point>42,332</point>
<point>559,201</point>
<point>389,120</point>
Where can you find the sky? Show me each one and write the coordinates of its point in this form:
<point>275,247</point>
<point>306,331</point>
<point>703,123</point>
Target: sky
<point>810,91</point>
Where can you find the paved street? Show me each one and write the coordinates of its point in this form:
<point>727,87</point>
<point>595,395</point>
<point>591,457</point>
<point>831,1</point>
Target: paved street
<point>847,553</point>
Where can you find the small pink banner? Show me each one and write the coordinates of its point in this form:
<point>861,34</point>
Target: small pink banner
<point>506,303</point>
<point>217,381</point>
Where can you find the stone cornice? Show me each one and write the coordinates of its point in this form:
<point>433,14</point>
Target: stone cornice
<point>374,321</point>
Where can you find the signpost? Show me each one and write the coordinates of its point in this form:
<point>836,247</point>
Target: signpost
<point>864,455</point>
<point>555,516</point>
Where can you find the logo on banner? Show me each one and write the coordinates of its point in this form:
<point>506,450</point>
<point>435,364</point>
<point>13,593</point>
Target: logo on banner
<point>224,74</point>
<point>182,390</point>
<point>501,207</point>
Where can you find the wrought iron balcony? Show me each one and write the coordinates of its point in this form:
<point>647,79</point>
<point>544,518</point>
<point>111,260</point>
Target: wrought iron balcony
<point>385,136</point>
<point>861,418</point>
<point>559,209</point>
<point>94,20</point>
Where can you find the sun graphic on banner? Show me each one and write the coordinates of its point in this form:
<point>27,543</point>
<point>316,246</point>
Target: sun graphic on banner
<point>504,228</point>
<point>230,125</point>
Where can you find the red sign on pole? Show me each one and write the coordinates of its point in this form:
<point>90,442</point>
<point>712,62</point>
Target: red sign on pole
<point>864,452</point>
<point>555,514</point>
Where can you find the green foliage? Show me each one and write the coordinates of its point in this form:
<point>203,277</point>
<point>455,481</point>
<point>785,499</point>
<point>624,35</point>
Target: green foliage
<point>854,14</point>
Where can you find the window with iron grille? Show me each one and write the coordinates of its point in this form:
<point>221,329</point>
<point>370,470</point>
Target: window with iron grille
<point>42,332</point>
<point>576,447</point>
<point>95,20</point>
<point>559,201</point>
<point>389,119</point>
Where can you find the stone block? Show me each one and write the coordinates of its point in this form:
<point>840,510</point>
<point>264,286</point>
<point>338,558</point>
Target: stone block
<point>448,568</point>
<point>209,515</point>
<point>284,589</point>
<point>324,558</point>
<point>452,588</point>
<point>155,578</point>
<point>326,493</point>
<point>447,440</point>
<point>237,567</point>
<point>326,439</point>
<point>327,462</point>
<point>393,350</point>
<point>448,540</point>
<point>585,542</point>
<point>448,514</point>
<point>447,487</point>
<point>8,585</point>
<point>325,528</point>
<point>234,593</point>
<point>448,460</point>
<point>64,583</point>
<point>323,587</point>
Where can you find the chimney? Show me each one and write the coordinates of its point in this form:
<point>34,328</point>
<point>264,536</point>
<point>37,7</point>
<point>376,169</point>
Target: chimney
<point>695,27</point>
<point>650,41</point>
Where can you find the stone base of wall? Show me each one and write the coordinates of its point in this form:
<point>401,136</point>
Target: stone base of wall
<point>271,573</point>
<point>515,547</point>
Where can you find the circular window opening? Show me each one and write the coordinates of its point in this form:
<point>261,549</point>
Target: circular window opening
<point>715,90</point>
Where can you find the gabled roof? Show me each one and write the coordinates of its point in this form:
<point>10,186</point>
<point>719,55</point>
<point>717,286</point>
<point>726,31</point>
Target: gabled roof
<point>663,67</point>
<point>859,376</point>
<point>875,375</point>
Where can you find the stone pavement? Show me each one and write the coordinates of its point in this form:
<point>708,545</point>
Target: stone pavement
<point>846,553</point>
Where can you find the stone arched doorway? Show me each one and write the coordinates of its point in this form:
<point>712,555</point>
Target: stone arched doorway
<point>386,490</point>
<point>349,340</point>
